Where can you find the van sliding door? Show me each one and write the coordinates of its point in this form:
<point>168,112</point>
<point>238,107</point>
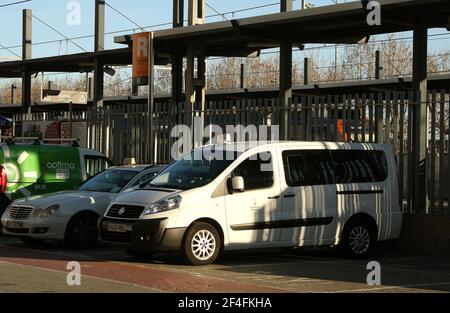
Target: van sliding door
<point>308,197</point>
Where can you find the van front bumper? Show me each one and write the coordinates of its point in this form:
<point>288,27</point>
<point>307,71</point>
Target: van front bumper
<point>142,235</point>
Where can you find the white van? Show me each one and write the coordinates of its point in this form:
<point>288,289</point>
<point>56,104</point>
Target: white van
<point>242,196</point>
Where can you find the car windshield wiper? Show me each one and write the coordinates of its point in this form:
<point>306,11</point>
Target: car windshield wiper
<point>163,186</point>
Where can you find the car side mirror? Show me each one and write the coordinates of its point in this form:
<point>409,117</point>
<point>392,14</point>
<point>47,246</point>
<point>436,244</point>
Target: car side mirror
<point>238,184</point>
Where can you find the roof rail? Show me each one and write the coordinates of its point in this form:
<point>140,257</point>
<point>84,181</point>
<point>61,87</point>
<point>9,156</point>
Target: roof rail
<point>9,140</point>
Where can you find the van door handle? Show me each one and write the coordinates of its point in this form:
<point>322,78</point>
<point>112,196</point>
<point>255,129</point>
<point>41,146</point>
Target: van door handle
<point>289,195</point>
<point>273,198</point>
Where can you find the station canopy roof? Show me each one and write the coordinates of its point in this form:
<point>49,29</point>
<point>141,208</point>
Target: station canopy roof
<point>342,23</point>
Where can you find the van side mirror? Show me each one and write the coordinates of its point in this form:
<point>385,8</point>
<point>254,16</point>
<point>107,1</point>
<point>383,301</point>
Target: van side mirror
<point>238,184</point>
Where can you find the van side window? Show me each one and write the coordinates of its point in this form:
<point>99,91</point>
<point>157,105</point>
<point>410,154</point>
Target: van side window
<point>307,168</point>
<point>257,171</point>
<point>358,166</point>
<point>95,164</point>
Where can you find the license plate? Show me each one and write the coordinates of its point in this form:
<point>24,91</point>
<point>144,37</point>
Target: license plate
<point>119,228</point>
<point>14,224</point>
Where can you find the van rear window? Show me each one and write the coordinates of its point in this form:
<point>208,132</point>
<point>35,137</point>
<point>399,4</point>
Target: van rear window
<point>358,166</point>
<point>323,167</point>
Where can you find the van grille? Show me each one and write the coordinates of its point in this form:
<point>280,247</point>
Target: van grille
<point>125,211</point>
<point>20,212</point>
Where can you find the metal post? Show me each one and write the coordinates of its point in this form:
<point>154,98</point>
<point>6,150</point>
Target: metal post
<point>378,65</point>
<point>13,93</point>
<point>196,16</point>
<point>150,103</point>
<point>99,25</point>
<point>243,82</point>
<point>90,87</point>
<point>98,83</point>
<point>286,5</point>
<point>70,119</point>
<point>285,78</point>
<point>177,59</point>
<point>27,18</point>
<point>197,11</point>
<point>307,71</point>
<point>419,119</point>
<point>99,45</point>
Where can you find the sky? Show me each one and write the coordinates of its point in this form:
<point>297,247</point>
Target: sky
<point>142,12</point>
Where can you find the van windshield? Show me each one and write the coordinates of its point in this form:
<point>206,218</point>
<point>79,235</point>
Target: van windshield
<point>193,171</point>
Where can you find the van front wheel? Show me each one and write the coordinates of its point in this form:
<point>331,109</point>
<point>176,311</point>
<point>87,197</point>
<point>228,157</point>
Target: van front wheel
<point>357,239</point>
<point>201,244</point>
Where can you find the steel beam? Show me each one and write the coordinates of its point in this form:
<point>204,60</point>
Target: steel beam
<point>285,77</point>
<point>195,86</point>
<point>99,45</point>
<point>177,59</point>
<point>197,12</point>
<point>419,119</point>
<point>27,17</point>
<point>99,36</point>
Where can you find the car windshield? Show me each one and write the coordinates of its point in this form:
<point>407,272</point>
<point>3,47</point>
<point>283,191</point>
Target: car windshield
<point>193,171</point>
<point>112,181</point>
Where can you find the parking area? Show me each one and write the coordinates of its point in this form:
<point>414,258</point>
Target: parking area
<point>44,269</point>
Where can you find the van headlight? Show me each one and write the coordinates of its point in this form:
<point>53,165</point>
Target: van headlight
<point>44,213</point>
<point>166,204</point>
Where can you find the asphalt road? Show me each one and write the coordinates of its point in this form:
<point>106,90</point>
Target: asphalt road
<point>44,269</point>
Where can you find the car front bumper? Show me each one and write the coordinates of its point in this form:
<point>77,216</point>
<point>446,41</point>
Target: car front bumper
<point>142,235</point>
<point>52,228</point>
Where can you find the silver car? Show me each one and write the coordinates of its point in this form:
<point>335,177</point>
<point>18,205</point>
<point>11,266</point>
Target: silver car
<point>72,216</point>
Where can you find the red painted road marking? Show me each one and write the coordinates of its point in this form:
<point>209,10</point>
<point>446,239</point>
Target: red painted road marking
<point>161,279</point>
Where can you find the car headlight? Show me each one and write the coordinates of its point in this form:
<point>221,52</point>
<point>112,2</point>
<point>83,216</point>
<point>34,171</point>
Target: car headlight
<point>167,204</point>
<point>8,210</point>
<point>44,213</point>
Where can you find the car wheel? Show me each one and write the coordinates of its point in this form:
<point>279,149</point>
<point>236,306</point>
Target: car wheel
<point>32,241</point>
<point>201,244</point>
<point>140,255</point>
<point>357,239</point>
<point>82,232</point>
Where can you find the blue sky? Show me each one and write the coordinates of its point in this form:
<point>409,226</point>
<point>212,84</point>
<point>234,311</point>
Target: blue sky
<point>143,12</point>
